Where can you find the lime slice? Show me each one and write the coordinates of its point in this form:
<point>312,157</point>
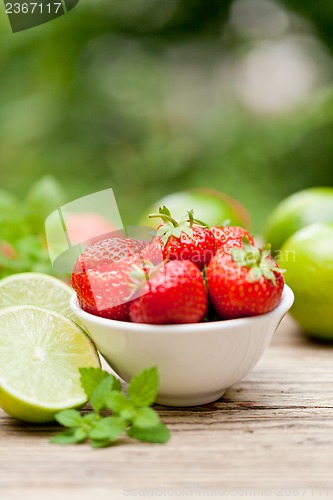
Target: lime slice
<point>39,290</point>
<point>41,352</point>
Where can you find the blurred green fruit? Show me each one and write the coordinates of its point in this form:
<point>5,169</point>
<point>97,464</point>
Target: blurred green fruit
<point>12,217</point>
<point>307,257</point>
<point>298,210</point>
<point>210,206</point>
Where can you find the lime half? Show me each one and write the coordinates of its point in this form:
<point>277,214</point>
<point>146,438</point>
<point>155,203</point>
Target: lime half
<point>37,289</point>
<point>41,352</point>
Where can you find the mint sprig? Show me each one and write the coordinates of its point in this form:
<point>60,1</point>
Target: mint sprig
<point>131,413</point>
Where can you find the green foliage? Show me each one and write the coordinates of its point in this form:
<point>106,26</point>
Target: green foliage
<point>135,96</point>
<point>22,239</point>
<point>45,196</point>
<point>131,414</point>
<point>91,378</point>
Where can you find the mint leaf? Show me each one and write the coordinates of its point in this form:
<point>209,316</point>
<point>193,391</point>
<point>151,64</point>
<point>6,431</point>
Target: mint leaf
<point>70,436</point>
<point>90,418</point>
<point>164,210</point>
<point>97,398</point>
<point>116,401</point>
<point>90,378</point>
<point>158,434</point>
<point>143,388</point>
<point>69,418</point>
<point>99,443</point>
<point>116,384</point>
<point>146,417</point>
<point>119,404</point>
<point>44,196</point>
<point>109,428</point>
<point>131,414</point>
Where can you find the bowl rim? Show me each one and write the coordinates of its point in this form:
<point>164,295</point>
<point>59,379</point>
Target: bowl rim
<point>285,304</point>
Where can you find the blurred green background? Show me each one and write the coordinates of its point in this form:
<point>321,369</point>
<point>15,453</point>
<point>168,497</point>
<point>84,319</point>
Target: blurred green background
<point>152,96</point>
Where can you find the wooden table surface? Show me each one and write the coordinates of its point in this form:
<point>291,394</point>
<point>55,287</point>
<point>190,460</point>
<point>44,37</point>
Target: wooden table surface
<point>271,436</point>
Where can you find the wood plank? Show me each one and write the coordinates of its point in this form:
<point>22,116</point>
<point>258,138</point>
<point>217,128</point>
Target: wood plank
<point>272,434</point>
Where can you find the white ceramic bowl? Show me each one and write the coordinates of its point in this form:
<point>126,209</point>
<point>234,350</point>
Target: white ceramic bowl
<point>196,362</point>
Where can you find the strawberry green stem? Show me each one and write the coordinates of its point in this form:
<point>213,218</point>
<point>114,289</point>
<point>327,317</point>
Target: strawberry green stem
<point>165,218</point>
<point>201,223</point>
<point>171,226</point>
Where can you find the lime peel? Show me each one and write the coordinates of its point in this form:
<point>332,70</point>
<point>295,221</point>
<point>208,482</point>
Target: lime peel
<point>41,352</point>
<point>37,289</point>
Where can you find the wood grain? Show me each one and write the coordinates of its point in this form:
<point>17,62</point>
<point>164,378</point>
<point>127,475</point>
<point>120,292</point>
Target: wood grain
<point>270,436</point>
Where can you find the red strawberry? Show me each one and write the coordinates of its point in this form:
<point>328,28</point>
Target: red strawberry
<point>107,290</point>
<point>181,240</point>
<point>107,251</point>
<point>244,281</point>
<point>175,293</point>
<point>230,236</point>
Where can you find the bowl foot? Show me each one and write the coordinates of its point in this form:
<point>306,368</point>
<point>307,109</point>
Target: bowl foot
<point>201,399</point>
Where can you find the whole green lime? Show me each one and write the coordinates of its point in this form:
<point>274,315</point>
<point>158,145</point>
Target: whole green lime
<point>298,210</point>
<point>307,257</point>
<point>209,205</point>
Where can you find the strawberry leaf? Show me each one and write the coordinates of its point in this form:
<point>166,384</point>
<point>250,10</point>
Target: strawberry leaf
<point>97,398</point>
<point>164,210</point>
<point>131,414</point>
